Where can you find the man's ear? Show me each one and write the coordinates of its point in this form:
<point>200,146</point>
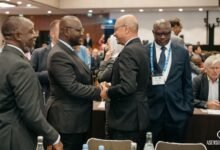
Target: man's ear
<point>17,36</point>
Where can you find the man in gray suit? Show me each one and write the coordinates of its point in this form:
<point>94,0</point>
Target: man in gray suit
<point>71,91</point>
<point>21,119</point>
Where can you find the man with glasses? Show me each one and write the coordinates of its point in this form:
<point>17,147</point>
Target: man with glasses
<point>170,90</point>
<point>128,112</point>
<point>71,98</point>
<point>206,87</point>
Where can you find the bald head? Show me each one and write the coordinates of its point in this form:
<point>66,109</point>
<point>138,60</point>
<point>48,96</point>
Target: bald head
<point>71,30</point>
<point>126,28</point>
<point>130,21</point>
<point>13,25</point>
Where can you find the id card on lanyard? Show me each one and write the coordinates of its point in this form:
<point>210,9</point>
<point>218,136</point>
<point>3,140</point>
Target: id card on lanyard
<point>158,79</point>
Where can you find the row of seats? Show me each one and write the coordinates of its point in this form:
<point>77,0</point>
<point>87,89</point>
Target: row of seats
<point>93,144</point>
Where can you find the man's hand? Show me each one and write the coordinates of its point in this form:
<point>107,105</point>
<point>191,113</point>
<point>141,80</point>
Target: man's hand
<point>214,104</point>
<point>58,146</point>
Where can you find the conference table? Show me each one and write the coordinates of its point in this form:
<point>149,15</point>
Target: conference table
<point>203,127</point>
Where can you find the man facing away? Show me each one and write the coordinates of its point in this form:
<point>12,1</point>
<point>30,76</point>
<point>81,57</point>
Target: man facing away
<point>170,90</point>
<point>128,112</point>
<point>21,119</point>
<point>71,99</point>
<point>39,60</point>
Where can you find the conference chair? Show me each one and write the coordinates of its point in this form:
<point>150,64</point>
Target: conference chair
<point>93,144</point>
<point>179,146</point>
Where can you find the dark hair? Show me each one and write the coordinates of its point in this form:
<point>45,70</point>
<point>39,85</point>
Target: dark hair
<point>175,22</point>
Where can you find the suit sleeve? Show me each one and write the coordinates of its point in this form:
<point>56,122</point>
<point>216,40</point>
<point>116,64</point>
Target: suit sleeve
<point>64,73</point>
<point>35,61</point>
<point>196,90</point>
<point>187,81</point>
<point>26,89</point>
<point>128,73</point>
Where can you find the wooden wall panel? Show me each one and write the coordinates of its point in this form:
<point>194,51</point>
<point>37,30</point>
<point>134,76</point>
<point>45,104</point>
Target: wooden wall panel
<point>91,25</point>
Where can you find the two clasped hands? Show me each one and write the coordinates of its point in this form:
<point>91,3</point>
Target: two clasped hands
<point>104,90</point>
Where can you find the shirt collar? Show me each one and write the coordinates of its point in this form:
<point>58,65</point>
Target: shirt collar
<point>216,81</point>
<point>130,40</point>
<point>65,43</point>
<point>157,46</point>
<point>17,48</point>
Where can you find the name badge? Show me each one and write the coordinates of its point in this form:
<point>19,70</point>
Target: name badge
<point>158,80</point>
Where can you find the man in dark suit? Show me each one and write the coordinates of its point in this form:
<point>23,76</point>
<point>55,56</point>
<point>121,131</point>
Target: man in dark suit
<point>21,119</point>
<point>39,60</point>
<point>128,114</point>
<point>71,91</point>
<point>88,41</point>
<point>206,87</point>
<point>170,90</point>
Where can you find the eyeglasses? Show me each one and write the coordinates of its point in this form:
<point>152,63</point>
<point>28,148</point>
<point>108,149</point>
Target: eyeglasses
<point>162,33</point>
<point>116,28</point>
<point>81,30</point>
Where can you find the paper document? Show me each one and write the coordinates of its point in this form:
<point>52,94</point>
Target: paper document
<point>101,105</point>
<point>214,112</point>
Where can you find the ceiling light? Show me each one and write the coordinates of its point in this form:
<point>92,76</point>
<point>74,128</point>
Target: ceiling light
<point>49,11</point>
<point>141,10</point>
<point>90,11</point>
<point>19,2</point>
<point>28,5</point>
<point>7,0</point>
<point>6,5</point>
<point>122,10</point>
<point>160,10</point>
<point>180,9</point>
<point>200,9</point>
<point>7,12</point>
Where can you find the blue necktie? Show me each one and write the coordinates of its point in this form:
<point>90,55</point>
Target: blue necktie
<point>162,59</point>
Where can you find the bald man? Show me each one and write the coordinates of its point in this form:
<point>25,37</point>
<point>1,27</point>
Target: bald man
<point>72,94</point>
<point>21,119</point>
<point>128,114</point>
<point>170,91</point>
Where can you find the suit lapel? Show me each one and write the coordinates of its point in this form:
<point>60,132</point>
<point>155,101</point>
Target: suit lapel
<point>74,56</point>
<point>206,86</point>
<point>173,60</point>
<point>219,88</point>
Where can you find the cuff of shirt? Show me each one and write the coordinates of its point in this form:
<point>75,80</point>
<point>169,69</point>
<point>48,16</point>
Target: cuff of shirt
<point>57,141</point>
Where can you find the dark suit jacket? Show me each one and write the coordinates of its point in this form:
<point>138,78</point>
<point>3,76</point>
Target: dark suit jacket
<point>71,91</point>
<point>39,63</point>
<point>21,119</point>
<point>201,90</point>
<point>176,95</point>
<point>87,43</point>
<point>130,74</point>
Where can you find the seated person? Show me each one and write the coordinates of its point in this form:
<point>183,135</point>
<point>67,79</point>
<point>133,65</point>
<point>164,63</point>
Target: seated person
<point>206,87</point>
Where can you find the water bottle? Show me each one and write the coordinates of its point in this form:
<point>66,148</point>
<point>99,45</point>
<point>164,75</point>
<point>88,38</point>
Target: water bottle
<point>85,147</point>
<point>148,145</point>
<point>101,147</point>
<point>40,143</point>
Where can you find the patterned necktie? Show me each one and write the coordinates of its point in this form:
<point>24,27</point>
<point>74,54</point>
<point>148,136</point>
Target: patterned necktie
<point>162,59</point>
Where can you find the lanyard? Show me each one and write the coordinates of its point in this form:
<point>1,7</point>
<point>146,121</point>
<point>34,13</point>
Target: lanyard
<point>151,59</point>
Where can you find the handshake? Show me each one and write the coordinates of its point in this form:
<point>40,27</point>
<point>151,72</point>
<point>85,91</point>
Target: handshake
<point>104,90</point>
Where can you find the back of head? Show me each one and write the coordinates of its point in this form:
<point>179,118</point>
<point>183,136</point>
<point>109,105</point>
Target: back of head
<point>54,31</point>
<point>176,26</point>
<point>12,25</point>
